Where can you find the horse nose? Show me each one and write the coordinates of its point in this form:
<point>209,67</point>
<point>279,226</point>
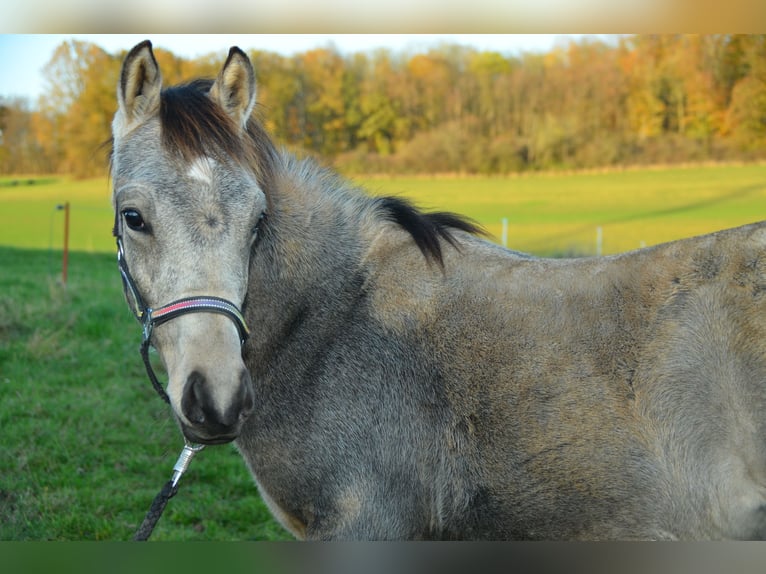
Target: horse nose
<point>215,421</point>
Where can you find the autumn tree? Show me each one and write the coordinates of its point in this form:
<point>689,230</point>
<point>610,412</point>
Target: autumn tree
<point>637,99</point>
<point>17,143</point>
<point>746,115</point>
<point>383,123</point>
<point>76,111</point>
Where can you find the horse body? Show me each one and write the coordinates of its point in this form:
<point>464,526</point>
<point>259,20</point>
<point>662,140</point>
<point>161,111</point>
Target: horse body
<point>407,379</point>
<point>602,398</point>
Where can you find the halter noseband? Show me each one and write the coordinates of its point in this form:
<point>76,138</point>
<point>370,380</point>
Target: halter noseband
<point>149,318</point>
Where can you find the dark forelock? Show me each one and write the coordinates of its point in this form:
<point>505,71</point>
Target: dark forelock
<point>194,126</point>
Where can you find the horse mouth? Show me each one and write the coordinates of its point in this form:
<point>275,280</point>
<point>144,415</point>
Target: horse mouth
<point>194,437</point>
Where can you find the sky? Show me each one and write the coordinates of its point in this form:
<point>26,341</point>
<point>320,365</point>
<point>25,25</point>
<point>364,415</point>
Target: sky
<point>23,56</point>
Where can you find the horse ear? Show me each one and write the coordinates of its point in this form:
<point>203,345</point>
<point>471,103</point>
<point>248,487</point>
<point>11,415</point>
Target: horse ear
<point>234,89</point>
<point>138,93</point>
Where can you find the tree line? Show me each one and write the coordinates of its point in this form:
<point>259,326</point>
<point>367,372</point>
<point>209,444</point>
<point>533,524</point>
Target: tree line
<point>640,99</point>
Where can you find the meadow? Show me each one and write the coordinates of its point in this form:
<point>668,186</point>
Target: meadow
<point>86,443</point>
<point>558,214</point>
<point>547,214</point>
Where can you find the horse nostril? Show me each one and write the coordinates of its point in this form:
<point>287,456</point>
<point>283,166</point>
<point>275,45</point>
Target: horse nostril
<point>200,408</point>
<point>193,398</point>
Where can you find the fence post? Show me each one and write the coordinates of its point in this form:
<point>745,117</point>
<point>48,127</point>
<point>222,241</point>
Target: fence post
<point>65,261</point>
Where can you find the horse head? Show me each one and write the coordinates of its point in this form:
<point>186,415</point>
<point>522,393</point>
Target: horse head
<point>188,198</point>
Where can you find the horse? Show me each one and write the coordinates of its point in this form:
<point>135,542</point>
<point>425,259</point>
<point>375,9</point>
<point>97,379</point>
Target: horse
<point>388,373</point>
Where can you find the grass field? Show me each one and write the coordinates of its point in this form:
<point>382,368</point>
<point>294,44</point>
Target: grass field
<point>546,213</point>
<point>86,443</point>
<point>558,214</point>
<point>30,218</point>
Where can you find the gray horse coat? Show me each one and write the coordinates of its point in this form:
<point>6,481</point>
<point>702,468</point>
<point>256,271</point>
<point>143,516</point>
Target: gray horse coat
<point>406,379</point>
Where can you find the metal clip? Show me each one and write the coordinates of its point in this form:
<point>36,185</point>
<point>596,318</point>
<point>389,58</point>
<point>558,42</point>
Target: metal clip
<point>184,459</point>
<point>147,324</point>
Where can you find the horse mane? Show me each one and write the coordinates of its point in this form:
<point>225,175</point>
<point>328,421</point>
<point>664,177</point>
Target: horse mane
<point>194,126</point>
<point>426,229</point>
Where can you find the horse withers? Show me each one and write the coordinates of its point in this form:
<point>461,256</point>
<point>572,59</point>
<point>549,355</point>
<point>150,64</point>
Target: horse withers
<point>404,378</point>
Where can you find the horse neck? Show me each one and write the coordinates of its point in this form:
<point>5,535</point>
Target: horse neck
<point>308,262</point>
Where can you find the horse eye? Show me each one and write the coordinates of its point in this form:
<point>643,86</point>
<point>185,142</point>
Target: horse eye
<point>134,220</point>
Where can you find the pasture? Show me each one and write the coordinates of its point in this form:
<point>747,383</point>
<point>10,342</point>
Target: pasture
<point>553,214</point>
<point>547,214</point>
<point>87,443</point>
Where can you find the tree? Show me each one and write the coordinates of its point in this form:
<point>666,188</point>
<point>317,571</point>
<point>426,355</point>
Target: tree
<point>323,76</point>
<point>16,141</point>
<point>380,109</point>
<point>75,113</point>
<point>746,115</point>
<point>488,70</point>
<point>644,98</point>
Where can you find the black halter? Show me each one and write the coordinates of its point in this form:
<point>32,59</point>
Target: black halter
<point>149,318</point>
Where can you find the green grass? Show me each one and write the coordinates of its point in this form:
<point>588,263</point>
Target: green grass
<point>30,217</point>
<point>546,213</point>
<point>86,443</point>
<point>559,213</point>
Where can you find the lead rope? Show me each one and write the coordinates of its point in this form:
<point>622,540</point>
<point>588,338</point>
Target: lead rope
<point>167,492</point>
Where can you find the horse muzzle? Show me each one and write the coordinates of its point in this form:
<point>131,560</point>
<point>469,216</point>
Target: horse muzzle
<point>206,419</point>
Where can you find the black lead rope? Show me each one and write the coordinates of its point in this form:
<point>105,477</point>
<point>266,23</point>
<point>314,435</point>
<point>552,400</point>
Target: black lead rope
<point>168,491</point>
<point>155,511</point>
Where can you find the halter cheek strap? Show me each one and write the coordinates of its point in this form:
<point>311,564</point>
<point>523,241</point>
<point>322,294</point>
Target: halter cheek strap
<point>149,318</point>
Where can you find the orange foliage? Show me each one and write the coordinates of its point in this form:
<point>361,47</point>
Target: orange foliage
<point>637,99</point>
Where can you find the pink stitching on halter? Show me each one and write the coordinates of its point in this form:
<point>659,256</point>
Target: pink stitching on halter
<point>199,303</point>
